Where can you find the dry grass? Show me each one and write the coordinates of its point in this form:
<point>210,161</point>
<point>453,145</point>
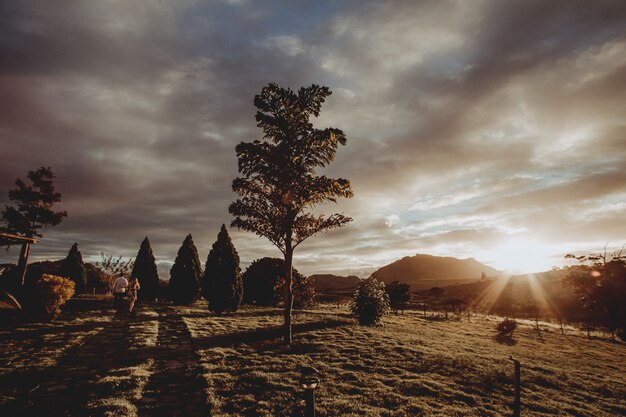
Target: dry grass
<point>409,367</point>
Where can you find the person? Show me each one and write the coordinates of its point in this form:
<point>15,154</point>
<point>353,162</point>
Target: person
<point>119,290</point>
<point>133,288</point>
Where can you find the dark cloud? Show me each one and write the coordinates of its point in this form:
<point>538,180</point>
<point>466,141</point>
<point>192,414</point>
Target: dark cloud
<point>468,123</point>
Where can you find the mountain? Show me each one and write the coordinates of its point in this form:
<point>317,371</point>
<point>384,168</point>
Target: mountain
<point>427,271</point>
<point>327,283</point>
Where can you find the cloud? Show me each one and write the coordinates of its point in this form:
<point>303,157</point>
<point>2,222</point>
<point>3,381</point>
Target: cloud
<point>468,122</point>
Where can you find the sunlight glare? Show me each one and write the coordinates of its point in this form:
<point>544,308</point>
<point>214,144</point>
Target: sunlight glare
<point>519,255</point>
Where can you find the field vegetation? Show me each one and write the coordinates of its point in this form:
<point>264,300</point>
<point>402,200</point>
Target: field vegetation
<point>184,360</point>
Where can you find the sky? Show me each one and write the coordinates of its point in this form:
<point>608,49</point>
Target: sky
<point>486,129</point>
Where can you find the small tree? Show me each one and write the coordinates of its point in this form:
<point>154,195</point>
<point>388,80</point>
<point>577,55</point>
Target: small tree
<point>54,291</point>
<point>370,302</point>
<point>264,281</point>
<point>399,295</point>
<point>185,274</point>
<point>145,270</point>
<point>34,203</point>
<point>304,292</point>
<point>73,268</point>
<point>113,267</point>
<point>261,282</point>
<point>600,282</point>
<point>222,285</point>
<point>506,327</point>
<point>279,184</point>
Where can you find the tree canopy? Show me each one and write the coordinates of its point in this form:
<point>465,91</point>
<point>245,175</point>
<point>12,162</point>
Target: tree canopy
<point>34,201</point>
<point>264,281</point>
<point>279,184</point>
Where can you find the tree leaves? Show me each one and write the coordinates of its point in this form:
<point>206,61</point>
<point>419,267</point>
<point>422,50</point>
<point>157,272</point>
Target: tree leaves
<point>34,204</point>
<point>279,181</point>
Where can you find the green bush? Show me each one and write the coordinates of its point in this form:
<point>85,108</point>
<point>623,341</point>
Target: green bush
<point>54,292</point>
<point>370,303</point>
<point>506,327</point>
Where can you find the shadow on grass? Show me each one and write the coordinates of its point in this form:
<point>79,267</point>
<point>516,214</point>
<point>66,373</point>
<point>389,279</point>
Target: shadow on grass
<point>263,334</point>
<point>505,339</point>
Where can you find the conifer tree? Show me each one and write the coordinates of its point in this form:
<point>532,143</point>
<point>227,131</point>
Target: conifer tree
<point>185,274</point>
<point>146,272</point>
<point>73,268</point>
<point>222,285</point>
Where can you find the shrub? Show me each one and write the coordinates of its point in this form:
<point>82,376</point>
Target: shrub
<point>54,292</point>
<point>264,285</point>
<point>506,327</point>
<point>399,295</point>
<point>370,303</point>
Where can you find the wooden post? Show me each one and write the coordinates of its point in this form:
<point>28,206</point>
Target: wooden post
<point>21,265</point>
<point>517,404</point>
<point>309,398</point>
<point>468,313</point>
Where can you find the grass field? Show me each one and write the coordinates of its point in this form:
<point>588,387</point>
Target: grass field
<point>184,361</point>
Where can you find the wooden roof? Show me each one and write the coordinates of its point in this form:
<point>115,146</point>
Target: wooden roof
<point>7,238</point>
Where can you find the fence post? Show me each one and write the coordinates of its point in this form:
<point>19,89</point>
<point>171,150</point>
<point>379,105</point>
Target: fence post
<point>517,405</point>
<point>309,378</point>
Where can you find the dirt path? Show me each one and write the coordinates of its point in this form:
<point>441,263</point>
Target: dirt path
<point>177,387</point>
<point>116,370</point>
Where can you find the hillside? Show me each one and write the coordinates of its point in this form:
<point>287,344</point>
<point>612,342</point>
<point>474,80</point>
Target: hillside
<point>427,271</point>
<point>521,295</point>
<point>328,283</point>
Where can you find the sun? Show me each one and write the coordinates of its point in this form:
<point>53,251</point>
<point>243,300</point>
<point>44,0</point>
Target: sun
<point>520,255</point>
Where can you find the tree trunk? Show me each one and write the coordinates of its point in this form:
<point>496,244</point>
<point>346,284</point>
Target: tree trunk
<point>288,292</point>
<point>21,265</point>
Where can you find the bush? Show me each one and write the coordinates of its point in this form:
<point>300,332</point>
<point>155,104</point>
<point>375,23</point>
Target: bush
<point>264,285</point>
<point>506,327</point>
<point>54,292</point>
<point>370,303</point>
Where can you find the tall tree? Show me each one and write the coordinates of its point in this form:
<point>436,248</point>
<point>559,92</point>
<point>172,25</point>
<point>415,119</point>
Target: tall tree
<point>279,183</point>
<point>145,270</point>
<point>73,268</point>
<point>222,285</point>
<point>34,201</point>
<point>185,274</point>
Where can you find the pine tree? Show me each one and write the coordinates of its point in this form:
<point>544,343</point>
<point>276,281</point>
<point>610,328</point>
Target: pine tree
<point>146,272</point>
<point>185,274</point>
<point>73,268</point>
<point>222,285</point>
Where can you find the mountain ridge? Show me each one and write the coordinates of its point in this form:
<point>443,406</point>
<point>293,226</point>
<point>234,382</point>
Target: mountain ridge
<point>424,271</point>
